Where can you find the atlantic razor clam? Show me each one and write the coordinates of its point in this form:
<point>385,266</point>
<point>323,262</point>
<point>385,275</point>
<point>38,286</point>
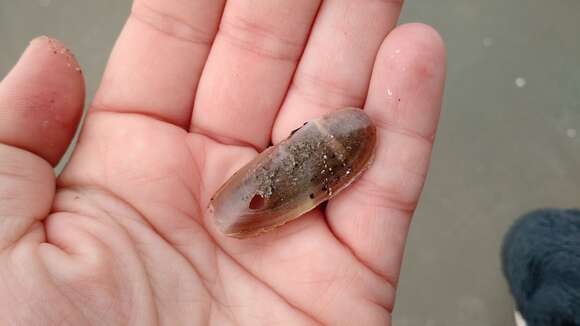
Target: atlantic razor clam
<point>312,165</point>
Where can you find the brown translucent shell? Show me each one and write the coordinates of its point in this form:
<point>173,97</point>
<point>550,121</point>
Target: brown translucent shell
<point>285,181</point>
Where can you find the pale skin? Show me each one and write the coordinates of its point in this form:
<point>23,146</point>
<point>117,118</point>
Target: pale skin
<point>192,91</point>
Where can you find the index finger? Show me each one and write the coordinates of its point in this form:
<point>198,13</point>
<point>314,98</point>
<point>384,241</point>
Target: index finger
<point>157,61</point>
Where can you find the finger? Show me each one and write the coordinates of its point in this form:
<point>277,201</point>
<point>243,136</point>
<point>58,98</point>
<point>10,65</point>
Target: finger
<point>336,66</point>
<point>404,100</point>
<point>157,61</point>
<point>41,100</point>
<point>249,69</point>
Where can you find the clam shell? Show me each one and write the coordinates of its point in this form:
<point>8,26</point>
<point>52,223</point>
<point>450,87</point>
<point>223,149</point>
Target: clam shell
<point>285,181</point>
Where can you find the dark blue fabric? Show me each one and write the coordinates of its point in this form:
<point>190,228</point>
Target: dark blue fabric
<point>541,262</point>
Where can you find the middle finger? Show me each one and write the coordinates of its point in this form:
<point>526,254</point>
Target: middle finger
<point>249,68</point>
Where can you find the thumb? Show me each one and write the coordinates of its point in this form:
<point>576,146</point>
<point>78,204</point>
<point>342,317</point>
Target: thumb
<point>41,101</point>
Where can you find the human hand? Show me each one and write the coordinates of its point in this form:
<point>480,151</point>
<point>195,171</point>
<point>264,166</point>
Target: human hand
<point>124,238</point>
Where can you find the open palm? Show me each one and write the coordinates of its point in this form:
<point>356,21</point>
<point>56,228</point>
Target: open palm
<point>194,90</point>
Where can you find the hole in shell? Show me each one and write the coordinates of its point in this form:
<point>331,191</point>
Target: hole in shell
<point>257,202</point>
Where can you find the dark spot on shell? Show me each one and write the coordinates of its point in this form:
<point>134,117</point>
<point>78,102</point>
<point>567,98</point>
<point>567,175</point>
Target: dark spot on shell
<point>311,196</point>
<point>257,202</point>
<point>294,131</point>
